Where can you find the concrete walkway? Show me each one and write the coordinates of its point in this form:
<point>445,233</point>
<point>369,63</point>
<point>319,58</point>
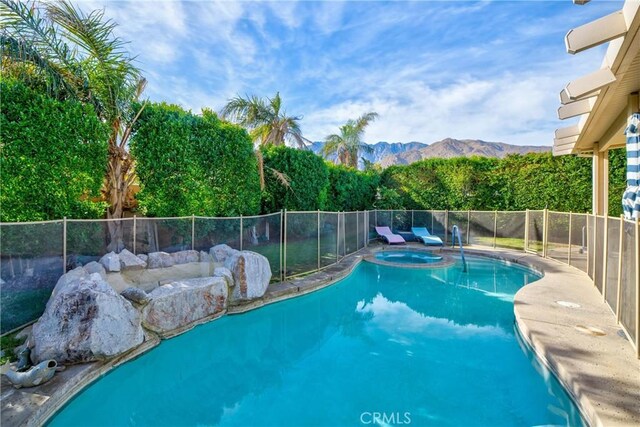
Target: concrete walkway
<point>584,346</point>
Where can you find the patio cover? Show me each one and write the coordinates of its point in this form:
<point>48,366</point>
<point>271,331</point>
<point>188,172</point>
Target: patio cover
<point>631,197</point>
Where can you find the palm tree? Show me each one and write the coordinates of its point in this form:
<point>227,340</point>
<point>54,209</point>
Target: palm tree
<point>348,144</point>
<point>79,57</point>
<point>267,123</point>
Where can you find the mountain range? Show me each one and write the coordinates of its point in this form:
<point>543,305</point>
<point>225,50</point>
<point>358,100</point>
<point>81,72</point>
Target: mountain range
<point>403,153</point>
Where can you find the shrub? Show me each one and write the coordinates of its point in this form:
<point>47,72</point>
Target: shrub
<point>458,183</point>
<point>540,180</point>
<point>308,178</point>
<point>517,182</point>
<point>350,189</point>
<point>617,179</point>
<point>54,154</point>
<point>193,165</point>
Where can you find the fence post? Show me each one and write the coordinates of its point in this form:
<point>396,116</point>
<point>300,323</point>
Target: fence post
<point>526,231</point>
<point>545,226</point>
<point>338,238</point>
<point>376,216</point>
<point>241,229</point>
<point>570,230</point>
<point>391,227</point>
<point>620,249</point>
<point>64,244</point>
<point>358,230</point>
<point>605,251</point>
<point>344,235</point>
<point>193,232</point>
<point>135,232</point>
<point>638,287</point>
<point>281,243</point>
<point>593,247</point>
<point>412,218</point>
<point>495,229</point>
<point>468,224</point>
<point>446,226</point>
<point>318,239</point>
<point>366,229</point>
<point>284,248</point>
<point>431,213</point>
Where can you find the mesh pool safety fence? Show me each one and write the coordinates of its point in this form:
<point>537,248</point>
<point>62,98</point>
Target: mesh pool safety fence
<point>34,255</point>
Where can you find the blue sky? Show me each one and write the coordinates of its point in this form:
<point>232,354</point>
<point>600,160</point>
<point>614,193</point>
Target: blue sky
<point>478,70</point>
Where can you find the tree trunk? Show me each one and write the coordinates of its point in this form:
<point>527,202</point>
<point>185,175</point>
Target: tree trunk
<point>116,186</point>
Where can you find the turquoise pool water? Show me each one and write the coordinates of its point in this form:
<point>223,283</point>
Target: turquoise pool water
<point>385,346</point>
<point>408,257</point>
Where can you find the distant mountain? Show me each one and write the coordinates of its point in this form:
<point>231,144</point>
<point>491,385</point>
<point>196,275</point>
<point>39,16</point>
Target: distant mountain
<point>380,149</point>
<point>398,153</point>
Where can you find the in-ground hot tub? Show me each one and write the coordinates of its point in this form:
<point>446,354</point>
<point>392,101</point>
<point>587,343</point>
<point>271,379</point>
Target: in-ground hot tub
<point>408,257</point>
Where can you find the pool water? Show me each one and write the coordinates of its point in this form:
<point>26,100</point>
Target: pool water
<point>408,257</point>
<point>386,345</point>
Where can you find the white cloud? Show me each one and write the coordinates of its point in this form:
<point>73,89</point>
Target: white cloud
<point>401,324</point>
<point>468,77</point>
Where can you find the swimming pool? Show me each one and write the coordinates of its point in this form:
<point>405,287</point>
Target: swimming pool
<point>408,257</point>
<point>429,346</point>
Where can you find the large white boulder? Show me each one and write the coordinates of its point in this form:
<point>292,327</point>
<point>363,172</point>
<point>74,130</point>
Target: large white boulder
<point>226,274</point>
<point>95,267</point>
<point>85,320</point>
<point>251,274</point>
<point>185,257</point>
<point>180,303</point>
<point>220,253</point>
<point>111,262</point>
<point>128,261</point>
<point>159,260</point>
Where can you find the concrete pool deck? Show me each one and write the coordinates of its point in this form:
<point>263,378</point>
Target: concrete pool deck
<point>601,372</point>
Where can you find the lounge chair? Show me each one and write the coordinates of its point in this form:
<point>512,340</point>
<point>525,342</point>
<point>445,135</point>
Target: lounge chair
<point>387,234</point>
<point>427,238</point>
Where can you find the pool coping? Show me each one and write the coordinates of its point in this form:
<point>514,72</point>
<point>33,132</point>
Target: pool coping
<point>34,406</point>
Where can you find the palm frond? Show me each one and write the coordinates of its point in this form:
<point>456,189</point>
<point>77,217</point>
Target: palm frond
<point>29,38</point>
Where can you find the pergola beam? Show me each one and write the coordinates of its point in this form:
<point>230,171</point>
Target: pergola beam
<point>561,142</point>
<point>576,108</point>
<point>563,151</point>
<point>588,85</point>
<point>564,97</point>
<point>567,131</point>
<point>596,32</point>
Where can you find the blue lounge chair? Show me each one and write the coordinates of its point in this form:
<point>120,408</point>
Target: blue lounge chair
<point>427,238</point>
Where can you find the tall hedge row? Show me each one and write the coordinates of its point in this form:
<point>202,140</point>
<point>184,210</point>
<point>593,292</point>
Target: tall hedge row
<point>458,183</point>
<point>517,182</point>
<point>193,165</point>
<point>351,190</point>
<point>52,158</point>
<point>306,176</point>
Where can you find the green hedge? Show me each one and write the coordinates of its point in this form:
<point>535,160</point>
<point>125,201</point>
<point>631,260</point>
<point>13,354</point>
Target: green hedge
<point>517,182</point>
<point>308,178</point>
<point>193,165</point>
<point>617,179</point>
<point>458,183</point>
<point>53,157</point>
<point>350,189</point>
